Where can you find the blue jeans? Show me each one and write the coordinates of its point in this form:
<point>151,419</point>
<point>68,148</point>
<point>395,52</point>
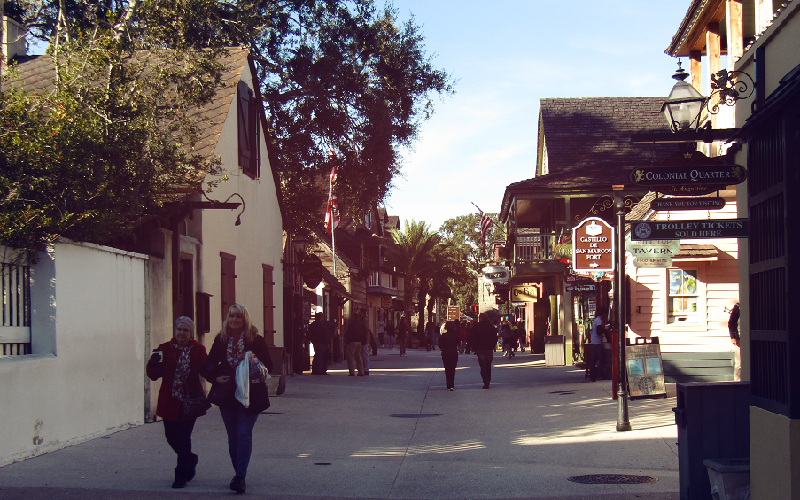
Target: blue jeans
<point>240,436</point>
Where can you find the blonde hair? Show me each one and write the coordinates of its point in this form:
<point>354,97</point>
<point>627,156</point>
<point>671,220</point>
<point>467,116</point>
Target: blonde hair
<point>249,330</point>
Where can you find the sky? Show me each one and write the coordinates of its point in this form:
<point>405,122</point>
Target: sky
<point>505,56</point>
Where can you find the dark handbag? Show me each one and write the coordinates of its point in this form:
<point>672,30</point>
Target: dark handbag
<point>194,406</point>
<point>259,398</point>
<point>222,394</point>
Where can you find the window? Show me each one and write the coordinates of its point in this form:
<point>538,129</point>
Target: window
<point>683,296</point>
<point>247,130</point>
<point>228,282</point>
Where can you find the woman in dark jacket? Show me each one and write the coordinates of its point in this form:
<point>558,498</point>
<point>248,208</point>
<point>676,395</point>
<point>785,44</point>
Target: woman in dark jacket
<point>448,344</point>
<point>238,336</point>
<point>179,363</point>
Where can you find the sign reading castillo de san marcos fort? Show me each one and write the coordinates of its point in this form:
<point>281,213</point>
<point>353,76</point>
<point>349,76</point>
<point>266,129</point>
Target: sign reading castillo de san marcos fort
<point>593,246</point>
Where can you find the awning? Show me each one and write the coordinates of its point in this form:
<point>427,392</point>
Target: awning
<point>691,252</point>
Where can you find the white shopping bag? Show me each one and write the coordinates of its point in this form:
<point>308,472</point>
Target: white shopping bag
<point>243,380</point>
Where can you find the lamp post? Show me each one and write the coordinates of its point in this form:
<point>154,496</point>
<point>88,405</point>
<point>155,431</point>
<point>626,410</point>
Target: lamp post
<point>623,423</point>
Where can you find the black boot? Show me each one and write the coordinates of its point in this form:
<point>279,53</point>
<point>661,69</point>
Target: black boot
<point>191,468</point>
<point>180,478</point>
<point>238,484</point>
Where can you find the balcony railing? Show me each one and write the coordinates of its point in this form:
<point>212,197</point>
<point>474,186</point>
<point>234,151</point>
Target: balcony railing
<point>374,278</point>
<point>536,248</point>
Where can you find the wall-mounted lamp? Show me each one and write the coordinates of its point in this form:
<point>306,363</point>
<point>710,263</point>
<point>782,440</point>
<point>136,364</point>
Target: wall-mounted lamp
<point>238,217</point>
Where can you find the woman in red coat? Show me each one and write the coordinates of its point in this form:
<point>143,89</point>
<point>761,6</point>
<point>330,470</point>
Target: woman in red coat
<point>179,362</point>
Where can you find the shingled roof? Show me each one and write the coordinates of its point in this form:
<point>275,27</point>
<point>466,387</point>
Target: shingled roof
<point>588,146</point>
<point>585,131</point>
<point>38,73</point>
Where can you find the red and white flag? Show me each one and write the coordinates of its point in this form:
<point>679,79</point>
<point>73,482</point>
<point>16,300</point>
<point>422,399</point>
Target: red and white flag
<point>332,211</point>
<point>332,215</point>
<point>486,222</point>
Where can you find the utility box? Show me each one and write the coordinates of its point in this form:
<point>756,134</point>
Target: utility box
<point>713,422</point>
<point>554,350</point>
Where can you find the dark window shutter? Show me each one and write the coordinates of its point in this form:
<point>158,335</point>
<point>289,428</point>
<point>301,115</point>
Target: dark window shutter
<point>228,282</point>
<point>244,130</point>
<point>269,307</point>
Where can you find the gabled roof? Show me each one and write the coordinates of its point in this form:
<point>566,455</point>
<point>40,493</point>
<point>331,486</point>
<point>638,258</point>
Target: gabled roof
<point>585,131</point>
<point>588,145</point>
<point>37,73</point>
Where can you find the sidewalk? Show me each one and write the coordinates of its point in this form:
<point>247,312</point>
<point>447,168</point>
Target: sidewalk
<point>396,434</point>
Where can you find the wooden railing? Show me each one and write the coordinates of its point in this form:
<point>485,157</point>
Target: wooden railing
<point>536,247</point>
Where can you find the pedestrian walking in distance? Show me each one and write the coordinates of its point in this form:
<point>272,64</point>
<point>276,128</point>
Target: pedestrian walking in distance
<point>448,345</point>
<point>320,337</point>
<point>402,334</point>
<point>355,336</point>
<point>485,337</point>
<point>237,337</point>
<point>597,359</point>
<point>179,362</point>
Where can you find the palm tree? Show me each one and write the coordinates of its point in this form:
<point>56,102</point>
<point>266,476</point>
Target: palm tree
<point>413,252</point>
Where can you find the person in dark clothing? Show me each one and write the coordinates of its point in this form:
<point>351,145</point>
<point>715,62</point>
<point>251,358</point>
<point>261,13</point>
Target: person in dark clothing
<point>402,333</point>
<point>179,362</point>
<point>430,330</point>
<point>733,330</point>
<point>320,336</point>
<point>485,338</point>
<point>237,337</point>
<point>355,336</point>
<point>448,344</point>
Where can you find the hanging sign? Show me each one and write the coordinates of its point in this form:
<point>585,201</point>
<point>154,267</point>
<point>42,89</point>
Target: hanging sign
<point>495,274</point>
<point>526,292</point>
<point>689,174</point>
<point>689,229</point>
<point>653,253</point>
<point>652,262</point>
<point>386,301</point>
<point>582,288</point>
<point>689,203</point>
<point>593,246</point>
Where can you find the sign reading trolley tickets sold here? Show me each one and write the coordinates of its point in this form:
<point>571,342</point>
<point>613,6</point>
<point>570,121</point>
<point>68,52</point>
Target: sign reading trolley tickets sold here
<point>593,246</point>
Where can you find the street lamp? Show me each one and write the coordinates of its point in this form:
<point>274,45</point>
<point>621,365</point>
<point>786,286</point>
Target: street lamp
<point>299,244</point>
<point>683,106</point>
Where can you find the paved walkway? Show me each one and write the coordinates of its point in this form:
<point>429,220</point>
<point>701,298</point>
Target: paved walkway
<point>396,434</point>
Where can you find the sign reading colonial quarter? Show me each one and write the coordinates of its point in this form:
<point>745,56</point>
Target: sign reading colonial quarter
<point>688,203</point>
<point>689,174</point>
<point>593,246</point>
<point>689,229</point>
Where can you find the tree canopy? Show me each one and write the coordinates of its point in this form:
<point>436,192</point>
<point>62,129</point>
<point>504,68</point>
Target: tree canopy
<point>110,139</point>
<point>463,233</point>
<point>344,83</point>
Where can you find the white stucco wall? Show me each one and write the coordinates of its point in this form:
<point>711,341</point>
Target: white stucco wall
<point>258,240</point>
<point>84,378</point>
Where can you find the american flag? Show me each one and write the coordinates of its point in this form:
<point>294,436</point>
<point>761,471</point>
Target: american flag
<point>486,222</point>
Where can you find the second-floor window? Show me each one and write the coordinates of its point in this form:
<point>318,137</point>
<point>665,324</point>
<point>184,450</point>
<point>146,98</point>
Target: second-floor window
<point>682,302</point>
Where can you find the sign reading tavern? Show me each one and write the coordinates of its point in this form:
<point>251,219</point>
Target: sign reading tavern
<point>689,229</point>
<point>593,246</point>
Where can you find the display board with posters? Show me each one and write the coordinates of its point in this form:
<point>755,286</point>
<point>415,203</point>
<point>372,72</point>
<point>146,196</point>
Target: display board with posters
<point>645,368</point>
